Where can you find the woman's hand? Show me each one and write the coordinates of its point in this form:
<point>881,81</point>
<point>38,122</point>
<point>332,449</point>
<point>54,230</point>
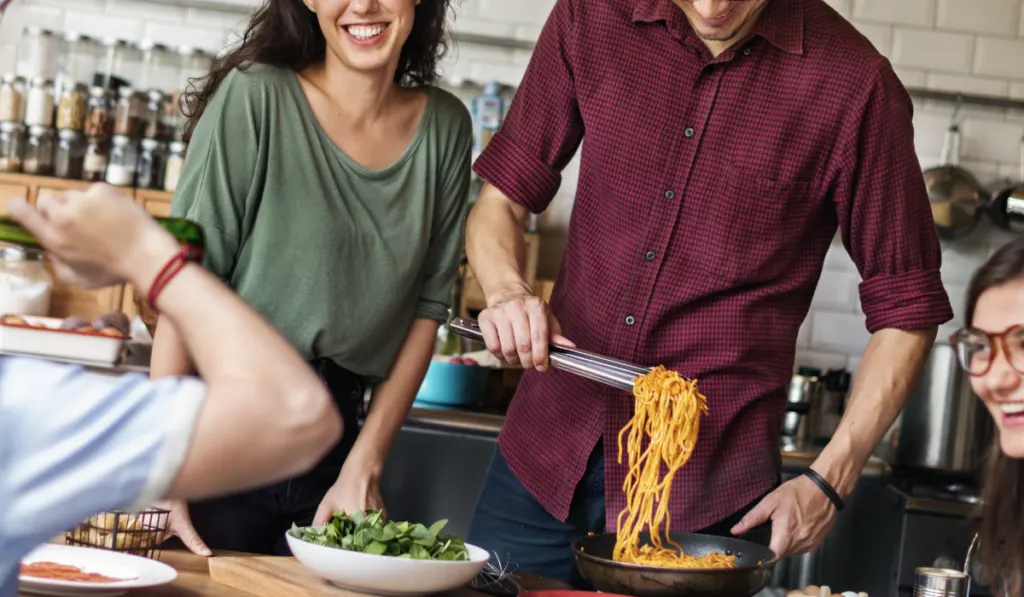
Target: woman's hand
<point>357,488</point>
<point>179,524</point>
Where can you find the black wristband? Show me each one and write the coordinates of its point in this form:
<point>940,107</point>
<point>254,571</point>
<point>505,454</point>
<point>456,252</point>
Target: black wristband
<point>825,488</point>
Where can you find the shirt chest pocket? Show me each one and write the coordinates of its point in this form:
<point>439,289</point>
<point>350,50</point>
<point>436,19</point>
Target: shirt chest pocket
<point>754,226</point>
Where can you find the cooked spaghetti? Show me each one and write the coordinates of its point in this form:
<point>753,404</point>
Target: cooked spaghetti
<point>667,418</point>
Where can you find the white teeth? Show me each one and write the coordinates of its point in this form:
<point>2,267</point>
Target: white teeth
<point>1012,408</point>
<point>366,31</point>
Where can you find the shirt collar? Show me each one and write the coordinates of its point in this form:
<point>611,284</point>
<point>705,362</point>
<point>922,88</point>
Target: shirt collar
<point>781,22</point>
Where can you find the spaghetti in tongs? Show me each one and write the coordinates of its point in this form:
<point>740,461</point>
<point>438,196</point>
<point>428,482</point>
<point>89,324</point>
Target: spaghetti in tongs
<point>606,370</point>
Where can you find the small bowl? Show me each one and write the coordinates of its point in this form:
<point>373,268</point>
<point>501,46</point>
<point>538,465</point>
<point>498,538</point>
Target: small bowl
<point>453,384</point>
<point>387,575</point>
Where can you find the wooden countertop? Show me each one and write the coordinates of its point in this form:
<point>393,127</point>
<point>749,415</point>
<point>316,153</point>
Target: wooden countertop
<point>194,579</point>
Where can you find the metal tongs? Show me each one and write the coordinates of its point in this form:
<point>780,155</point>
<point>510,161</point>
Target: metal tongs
<point>595,367</point>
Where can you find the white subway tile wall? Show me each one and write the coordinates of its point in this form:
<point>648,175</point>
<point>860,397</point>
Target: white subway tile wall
<point>974,46</point>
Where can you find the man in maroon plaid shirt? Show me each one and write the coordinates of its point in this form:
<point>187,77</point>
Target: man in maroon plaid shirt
<point>725,143</point>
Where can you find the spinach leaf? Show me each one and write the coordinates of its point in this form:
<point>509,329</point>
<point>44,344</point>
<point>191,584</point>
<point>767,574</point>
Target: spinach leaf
<point>367,532</point>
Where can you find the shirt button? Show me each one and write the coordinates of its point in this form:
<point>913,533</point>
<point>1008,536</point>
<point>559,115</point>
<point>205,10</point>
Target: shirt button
<point>630,320</point>
<point>746,51</point>
<point>669,194</point>
<point>688,132</point>
<point>649,256</point>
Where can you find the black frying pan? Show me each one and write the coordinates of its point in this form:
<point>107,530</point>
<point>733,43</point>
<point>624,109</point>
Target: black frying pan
<point>755,565</point>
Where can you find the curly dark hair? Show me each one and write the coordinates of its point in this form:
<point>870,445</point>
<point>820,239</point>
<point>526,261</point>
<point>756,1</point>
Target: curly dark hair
<point>286,33</point>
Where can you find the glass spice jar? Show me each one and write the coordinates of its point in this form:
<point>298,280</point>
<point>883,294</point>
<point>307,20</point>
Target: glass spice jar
<point>25,283</point>
<point>12,98</point>
<point>39,151</point>
<point>127,112</point>
<point>97,119</point>
<point>173,165</point>
<point>94,164</point>
<point>151,118</point>
<point>39,103</point>
<point>71,108</point>
<point>150,174</point>
<point>70,154</point>
<point>12,146</point>
<point>121,161</point>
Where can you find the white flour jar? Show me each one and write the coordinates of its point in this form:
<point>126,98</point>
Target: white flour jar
<point>25,285</point>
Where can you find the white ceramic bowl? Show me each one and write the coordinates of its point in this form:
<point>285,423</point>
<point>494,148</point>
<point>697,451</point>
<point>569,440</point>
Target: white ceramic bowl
<point>387,575</point>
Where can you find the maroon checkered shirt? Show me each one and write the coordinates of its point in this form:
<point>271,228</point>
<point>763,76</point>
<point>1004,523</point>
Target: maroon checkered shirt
<point>709,192</point>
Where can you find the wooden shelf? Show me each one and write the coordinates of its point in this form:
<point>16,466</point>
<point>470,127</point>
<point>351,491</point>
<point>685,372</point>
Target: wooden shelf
<point>966,98</point>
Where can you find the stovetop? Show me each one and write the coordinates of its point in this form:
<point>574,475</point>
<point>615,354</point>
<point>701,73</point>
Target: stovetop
<point>950,492</point>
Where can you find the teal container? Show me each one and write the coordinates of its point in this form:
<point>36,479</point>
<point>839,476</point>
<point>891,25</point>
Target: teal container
<point>450,384</point>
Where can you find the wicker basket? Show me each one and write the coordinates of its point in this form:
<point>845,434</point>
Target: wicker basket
<point>137,534</point>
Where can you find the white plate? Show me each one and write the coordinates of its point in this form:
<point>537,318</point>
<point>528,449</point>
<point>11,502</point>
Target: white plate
<point>146,572</point>
<point>387,575</point>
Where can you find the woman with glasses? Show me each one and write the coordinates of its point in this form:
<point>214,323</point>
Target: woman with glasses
<point>991,349</point>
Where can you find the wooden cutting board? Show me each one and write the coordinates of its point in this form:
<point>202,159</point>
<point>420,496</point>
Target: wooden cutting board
<point>268,576</point>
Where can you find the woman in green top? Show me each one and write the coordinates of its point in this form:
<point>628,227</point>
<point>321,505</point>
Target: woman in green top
<point>331,178</point>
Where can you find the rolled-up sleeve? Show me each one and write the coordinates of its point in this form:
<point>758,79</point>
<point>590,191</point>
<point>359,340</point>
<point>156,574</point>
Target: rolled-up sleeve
<point>543,130</point>
<point>884,214</point>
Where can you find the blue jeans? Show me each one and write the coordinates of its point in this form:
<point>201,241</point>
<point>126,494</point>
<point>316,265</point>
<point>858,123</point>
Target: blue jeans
<point>510,523</point>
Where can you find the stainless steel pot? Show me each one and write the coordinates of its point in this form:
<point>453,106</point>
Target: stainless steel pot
<point>957,198</point>
<point>1007,210</point>
<point>946,428</point>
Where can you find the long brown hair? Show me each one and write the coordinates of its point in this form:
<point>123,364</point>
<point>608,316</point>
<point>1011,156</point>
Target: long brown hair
<point>1002,526</point>
<point>286,33</point>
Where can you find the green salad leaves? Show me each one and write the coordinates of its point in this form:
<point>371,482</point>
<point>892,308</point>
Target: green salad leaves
<point>368,533</point>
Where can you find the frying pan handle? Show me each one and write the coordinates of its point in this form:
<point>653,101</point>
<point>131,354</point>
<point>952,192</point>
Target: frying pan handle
<point>951,146</point>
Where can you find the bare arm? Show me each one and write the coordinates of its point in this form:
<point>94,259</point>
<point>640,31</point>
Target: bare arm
<point>495,246</point>
<point>170,354</point>
<point>393,398</point>
<point>891,365</point>
<point>257,386</point>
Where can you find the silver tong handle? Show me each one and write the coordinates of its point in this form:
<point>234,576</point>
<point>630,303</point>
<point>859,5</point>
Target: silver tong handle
<point>599,368</point>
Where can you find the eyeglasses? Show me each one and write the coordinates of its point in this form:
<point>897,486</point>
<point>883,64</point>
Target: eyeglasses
<point>975,349</point>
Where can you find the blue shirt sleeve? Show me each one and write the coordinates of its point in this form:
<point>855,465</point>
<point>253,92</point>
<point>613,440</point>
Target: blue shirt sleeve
<point>75,442</point>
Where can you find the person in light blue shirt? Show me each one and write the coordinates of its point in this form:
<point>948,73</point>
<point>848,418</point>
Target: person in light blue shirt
<point>75,442</point>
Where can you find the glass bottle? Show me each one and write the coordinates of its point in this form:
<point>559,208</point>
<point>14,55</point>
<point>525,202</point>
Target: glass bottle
<point>121,161</point>
<point>29,283</point>
<point>149,174</point>
<point>158,67</point>
<point>72,107</point>
<point>70,154</point>
<point>12,98</point>
<point>94,165</point>
<point>152,125</point>
<point>126,112</point>
<point>73,62</point>
<point>39,103</point>
<point>97,121</point>
<point>37,53</point>
<point>173,166</point>
<point>39,151</point>
<point>12,146</point>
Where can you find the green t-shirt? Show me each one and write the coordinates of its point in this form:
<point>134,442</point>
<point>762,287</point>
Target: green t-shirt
<point>340,258</point>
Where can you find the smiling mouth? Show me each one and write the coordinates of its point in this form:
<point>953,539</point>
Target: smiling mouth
<point>1012,409</point>
<point>366,31</point>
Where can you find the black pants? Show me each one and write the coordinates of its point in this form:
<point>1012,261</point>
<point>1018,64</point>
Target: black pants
<point>255,521</point>
<point>511,524</point>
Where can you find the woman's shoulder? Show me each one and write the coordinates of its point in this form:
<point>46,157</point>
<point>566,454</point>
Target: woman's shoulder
<point>452,116</point>
<point>252,79</point>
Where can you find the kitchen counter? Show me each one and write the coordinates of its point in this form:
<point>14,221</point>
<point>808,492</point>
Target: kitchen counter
<point>194,580</point>
<point>490,424</point>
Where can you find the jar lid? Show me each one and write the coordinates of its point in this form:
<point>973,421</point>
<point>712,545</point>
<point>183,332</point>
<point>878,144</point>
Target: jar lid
<point>120,140</point>
<point>97,91</point>
<point>37,30</point>
<point>9,78</point>
<point>113,41</point>
<point>16,253</point>
<point>155,95</point>
<point>148,44</point>
<point>177,146</point>
<point>10,127</point>
<point>69,134</point>
<point>41,82</point>
<point>150,144</point>
<point>125,92</point>
<point>75,36</point>
<point>38,130</point>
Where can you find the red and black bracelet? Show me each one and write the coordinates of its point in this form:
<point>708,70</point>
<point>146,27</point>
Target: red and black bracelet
<point>184,255</point>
